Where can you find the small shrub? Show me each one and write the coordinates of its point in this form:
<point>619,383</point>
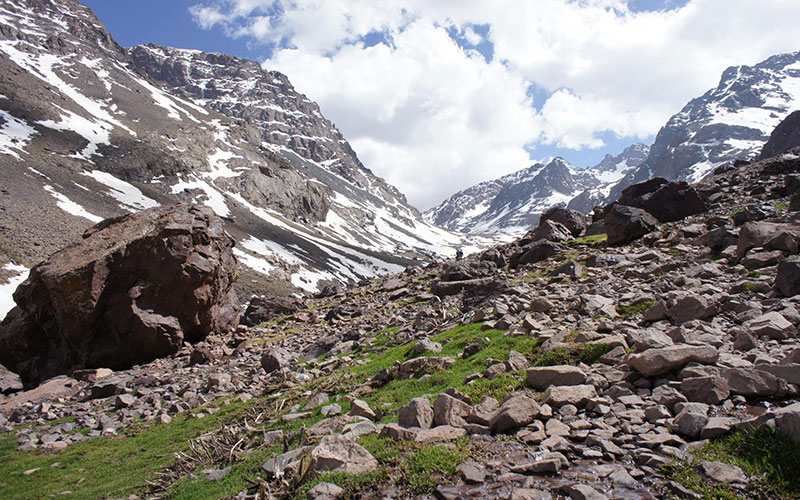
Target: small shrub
<point>350,483</point>
<point>555,357</point>
<point>634,309</point>
<point>593,352</point>
<point>591,241</point>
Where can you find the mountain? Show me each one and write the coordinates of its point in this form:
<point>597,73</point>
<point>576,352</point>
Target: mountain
<point>89,130</point>
<point>513,203</point>
<point>731,121</point>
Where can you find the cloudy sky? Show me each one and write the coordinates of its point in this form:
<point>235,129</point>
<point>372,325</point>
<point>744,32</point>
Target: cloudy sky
<point>437,95</point>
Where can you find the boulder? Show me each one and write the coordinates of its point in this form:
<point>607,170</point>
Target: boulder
<point>711,389</point>
<point>274,358</point>
<point>691,419</point>
<point>518,410</point>
<point>541,378</point>
<point>772,325</point>
<point>135,288</point>
<point>577,395</point>
<point>719,472</point>
<point>448,410</point>
<point>666,201</point>
<point>787,420</point>
<point>787,280</point>
<point>752,382</point>
<point>417,413</point>
<point>757,234</point>
<point>534,252</point>
<point>659,361</point>
<point>550,231</point>
<point>688,307</point>
<point>336,453</point>
<point>264,308</point>
<point>625,224</point>
<point>572,220</point>
<point>784,137</point>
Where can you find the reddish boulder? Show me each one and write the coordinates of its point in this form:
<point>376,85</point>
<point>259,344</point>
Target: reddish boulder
<point>134,289</point>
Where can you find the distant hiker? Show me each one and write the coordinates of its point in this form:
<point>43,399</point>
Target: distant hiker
<point>459,254</point>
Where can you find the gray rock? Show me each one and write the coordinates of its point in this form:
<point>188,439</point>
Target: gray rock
<point>439,434</point>
<point>720,472</point>
<point>625,224</point>
<point>691,419</point>
<point>752,382</point>
<point>317,400</point>
<point>336,453</point>
<point>518,410</point>
<point>689,307</point>
<point>331,410</point>
<point>659,361</point>
<point>584,492</point>
<point>274,358</point>
<point>472,472</point>
<point>772,325</point>
<point>787,420</point>
<point>417,413</point>
<point>285,463</point>
<point>359,408</point>
<point>484,412</point>
<point>787,279</point>
<point>324,491</point>
<point>710,390</point>
<point>426,345</point>
<point>577,395</point>
<point>530,494</point>
<point>540,378</point>
<point>448,410</point>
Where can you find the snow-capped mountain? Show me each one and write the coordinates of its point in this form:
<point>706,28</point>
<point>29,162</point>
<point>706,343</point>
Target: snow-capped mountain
<point>729,122</point>
<point>513,203</point>
<point>87,132</point>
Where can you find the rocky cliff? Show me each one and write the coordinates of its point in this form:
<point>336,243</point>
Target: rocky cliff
<point>89,130</point>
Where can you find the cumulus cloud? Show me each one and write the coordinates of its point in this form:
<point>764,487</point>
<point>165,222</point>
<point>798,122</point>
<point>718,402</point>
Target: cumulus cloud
<point>432,115</point>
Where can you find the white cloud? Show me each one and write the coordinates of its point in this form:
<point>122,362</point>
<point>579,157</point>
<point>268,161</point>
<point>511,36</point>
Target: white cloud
<point>433,118</point>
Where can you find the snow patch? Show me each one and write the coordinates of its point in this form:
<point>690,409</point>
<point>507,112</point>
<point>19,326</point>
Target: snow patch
<point>7,289</point>
<point>70,206</point>
<point>15,135</point>
<point>127,194</point>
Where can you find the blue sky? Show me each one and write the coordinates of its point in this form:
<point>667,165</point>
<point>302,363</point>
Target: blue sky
<point>437,96</point>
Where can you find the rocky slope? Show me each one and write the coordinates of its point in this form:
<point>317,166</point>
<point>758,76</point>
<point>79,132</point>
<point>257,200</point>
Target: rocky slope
<point>549,367</point>
<point>87,133</point>
<point>513,203</point>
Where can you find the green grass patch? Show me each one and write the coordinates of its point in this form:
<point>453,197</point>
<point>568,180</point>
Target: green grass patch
<point>559,356</point>
<point>352,484</point>
<point>398,392</point>
<point>591,353</point>
<point>591,241</point>
<point>768,457</point>
<point>749,287</point>
<point>635,309</point>
<point>781,205</point>
<point>421,467</point>
<point>499,387</point>
<point>673,251</point>
<point>108,466</point>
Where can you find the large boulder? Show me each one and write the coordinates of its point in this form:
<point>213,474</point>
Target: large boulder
<point>573,220</point>
<point>625,224</point>
<point>654,362</point>
<point>787,280</point>
<point>786,136</point>
<point>534,252</point>
<point>135,288</point>
<point>264,308</point>
<point>550,230</point>
<point>666,201</point>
